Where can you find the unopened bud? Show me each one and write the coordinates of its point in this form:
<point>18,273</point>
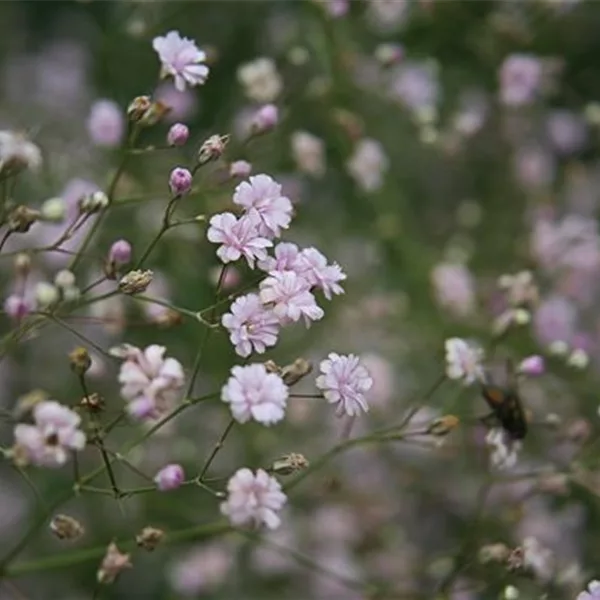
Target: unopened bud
<point>272,367</point>
<point>240,168</point>
<point>138,108</point>
<point>149,538</point>
<point>22,264</point>
<point>21,219</point>
<point>578,359</point>
<point>178,134</point>
<point>80,360</point>
<point>135,282</point>
<point>291,463</point>
<point>265,119</point>
<point>443,426</point>
<point>293,373</point>
<point>521,316</point>
<point>66,528</point>
<point>498,553</point>
<point>155,113</point>
<point>511,593</point>
<point>64,279</point>
<point>532,366</point>
<point>558,348</point>
<point>93,203</point>
<point>112,564</point>
<point>54,210</point>
<point>212,148</point>
<point>180,181</point>
<point>46,294</point>
<point>94,403</point>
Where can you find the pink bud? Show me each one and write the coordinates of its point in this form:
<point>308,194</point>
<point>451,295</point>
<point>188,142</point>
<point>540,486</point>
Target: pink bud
<point>240,168</point>
<point>178,134</point>
<point>169,478</point>
<point>265,118</point>
<point>532,365</point>
<point>120,252</point>
<point>16,307</point>
<point>180,181</point>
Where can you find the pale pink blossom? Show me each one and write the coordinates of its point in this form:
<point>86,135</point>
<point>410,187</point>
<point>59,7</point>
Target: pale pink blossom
<point>251,325</point>
<point>181,58</point>
<point>253,499</point>
<point>55,432</point>
<point>344,381</point>
<point>254,393</point>
<point>290,298</point>
<point>182,105</point>
<point>315,270</point>
<point>368,165</point>
<point>285,259</point>
<point>417,86</point>
<point>532,366</point>
<point>592,593</point>
<point>555,320</point>
<point>17,306</point>
<point>149,382</point>
<point>454,288</point>
<point>238,237</point>
<point>106,123</point>
<point>169,477</point>
<point>261,196</point>
<point>464,361</point>
<point>520,79</point>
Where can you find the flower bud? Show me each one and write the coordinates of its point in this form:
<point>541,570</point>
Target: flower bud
<point>93,203</point>
<point>149,538</point>
<point>46,294</point>
<point>293,373</point>
<point>80,360</point>
<point>511,593</point>
<point>155,113</point>
<point>64,279</point>
<point>112,564</point>
<point>532,366</point>
<point>169,478</point>
<point>54,209</point>
<point>265,119</point>
<point>240,168</point>
<point>558,348</point>
<point>21,218</point>
<point>94,402</point>
<point>17,307</point>
<point>22,264</point>
<point>178,134</point>
<point>443,426</point>
<point>66,528</point>
<point>291,463</point>
<point>120,253</point>
<point>135,282</point>
<point>578,359</point>
<point>138,108</point>
<point>212,148</point>
<point>180,181</point>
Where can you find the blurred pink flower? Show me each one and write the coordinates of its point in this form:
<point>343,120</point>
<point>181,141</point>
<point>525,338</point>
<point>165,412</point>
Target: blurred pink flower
<point>17,306</point>
<point>183,105</point>
<point>253,499</point>
<point>251,326</point>
<point>416,85</point>
<point>344,380</point>
<point>261,197</point>
<point>520,79</point>
<point>532,366</point>
<point>368,164</point>
<point>454,288</point>
<point>238,237</point>
<point>254,393</point>
<point>383,373</point>
<point>169,478</point>
<point>534,167</point>
<point>554,320</point>
<point>463,361</point>
<point>54,433</point>
<point>181,59</point>
<point>567,131</point>
<point>106,123</point>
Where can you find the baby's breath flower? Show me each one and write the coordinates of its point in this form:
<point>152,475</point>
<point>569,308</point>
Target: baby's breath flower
<point>120,253</point>
<point>260,79</point>
<point>112,564</point>
<point>240,168</point>
<point>532,366</point>
<point>308,152</point>
<point>253,499</point>
<point>54,210</point>
<point>17,307</point>
<point>463,361</point>
<point>180,181</point>
<point>18,153</point>
<point>106,123</point>
<point>46,294</point>
<point>368,164</point>
<point>265,119</point>
<point>592,592</point>
<point>169,478</point>
<point>178,134</point>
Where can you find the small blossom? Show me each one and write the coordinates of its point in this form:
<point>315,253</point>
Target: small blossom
<point>178,134</point>
<point>592,593</point>
<point>181,59</point>
<point>344,381</point>
<point>265,119</point>
<point>54,210</point>
<point>106,123</point>
<point>454,288</point>
<point>120,252</point>
<point>368,164</point>
<point>504,449</point>
<point>149,382</point>
<point>180,181</point>
<point>169,478</point>
<point>261,80</point>
<point>17,307</point>
<point>112,564</point>
<point>285,259</point>
<point>290,297</point>
<point>54,433</point>
<point>251,326</point>
<point>520,79</point>
<point>240,168</point>
<point>64,279</point>
<point>17,153</point>
<point>463,361</point>
<point>308,152</point>
<point>261,196</point>
<point>238,237</point>
<point>532,366</point>
<point>538,559</point>
<point>253,499</point>
<point>320,274</point>
<point>253,393</point>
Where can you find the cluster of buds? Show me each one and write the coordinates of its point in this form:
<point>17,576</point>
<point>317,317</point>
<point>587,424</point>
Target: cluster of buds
<point>145,112</point>
<point>90,204</point>
<point>65,283</point>
<point>291,373</point>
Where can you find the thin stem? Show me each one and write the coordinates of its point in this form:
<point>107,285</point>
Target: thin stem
<point>178,309</point>
<point>216,449</point>
<point>5,237</point>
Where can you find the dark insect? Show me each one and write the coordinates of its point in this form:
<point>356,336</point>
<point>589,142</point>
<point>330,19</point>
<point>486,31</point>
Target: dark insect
<point>507,409</point>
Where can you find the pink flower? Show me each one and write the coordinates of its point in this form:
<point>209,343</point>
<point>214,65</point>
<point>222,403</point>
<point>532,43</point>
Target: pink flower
<point>262,196</point>
<point>454,288</point>
<point>238,237</point>
<point>54,433</point>
<point>463,361</point>
<point>251,325</point>
<point>149,382</point>
<point>286,259</point>
<point>253,499</point>
<point>253,393</point>
<point>319,274</point>
<point>178,134</point>
<point>240,168</point>
<point>106,123</point>
<point>180,181</point>
<point>290,297</point>
<point>532,366</point>
<point>265,118</point>
<point>17,306</point>
<point>592,593</point>
<point>520,79</point>
<point>169,478</point>
<point>182,59</point>
<point>344,381</point>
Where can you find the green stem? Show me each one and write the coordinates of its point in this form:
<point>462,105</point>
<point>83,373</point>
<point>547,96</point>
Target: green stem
<point>216,449</point>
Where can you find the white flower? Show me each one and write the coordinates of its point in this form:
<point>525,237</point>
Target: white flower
<point>253,499</point>
<point>55,431</point>
<point>344,381</point>
<point>253,393</point>
<point>181,58</point>
<point>538,558</point>
<point>149,382</point>
<point>262,197</point>
<point>261,80</point>
<point>464,361</point>
<point>251,325</point>
<point>593,591</point>
<point>290,297</point>
<point>505,451</point>
<point>368,164</point>
<point>17,152</point>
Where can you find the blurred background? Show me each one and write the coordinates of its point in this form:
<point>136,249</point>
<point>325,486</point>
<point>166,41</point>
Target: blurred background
<point>430,147</point>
